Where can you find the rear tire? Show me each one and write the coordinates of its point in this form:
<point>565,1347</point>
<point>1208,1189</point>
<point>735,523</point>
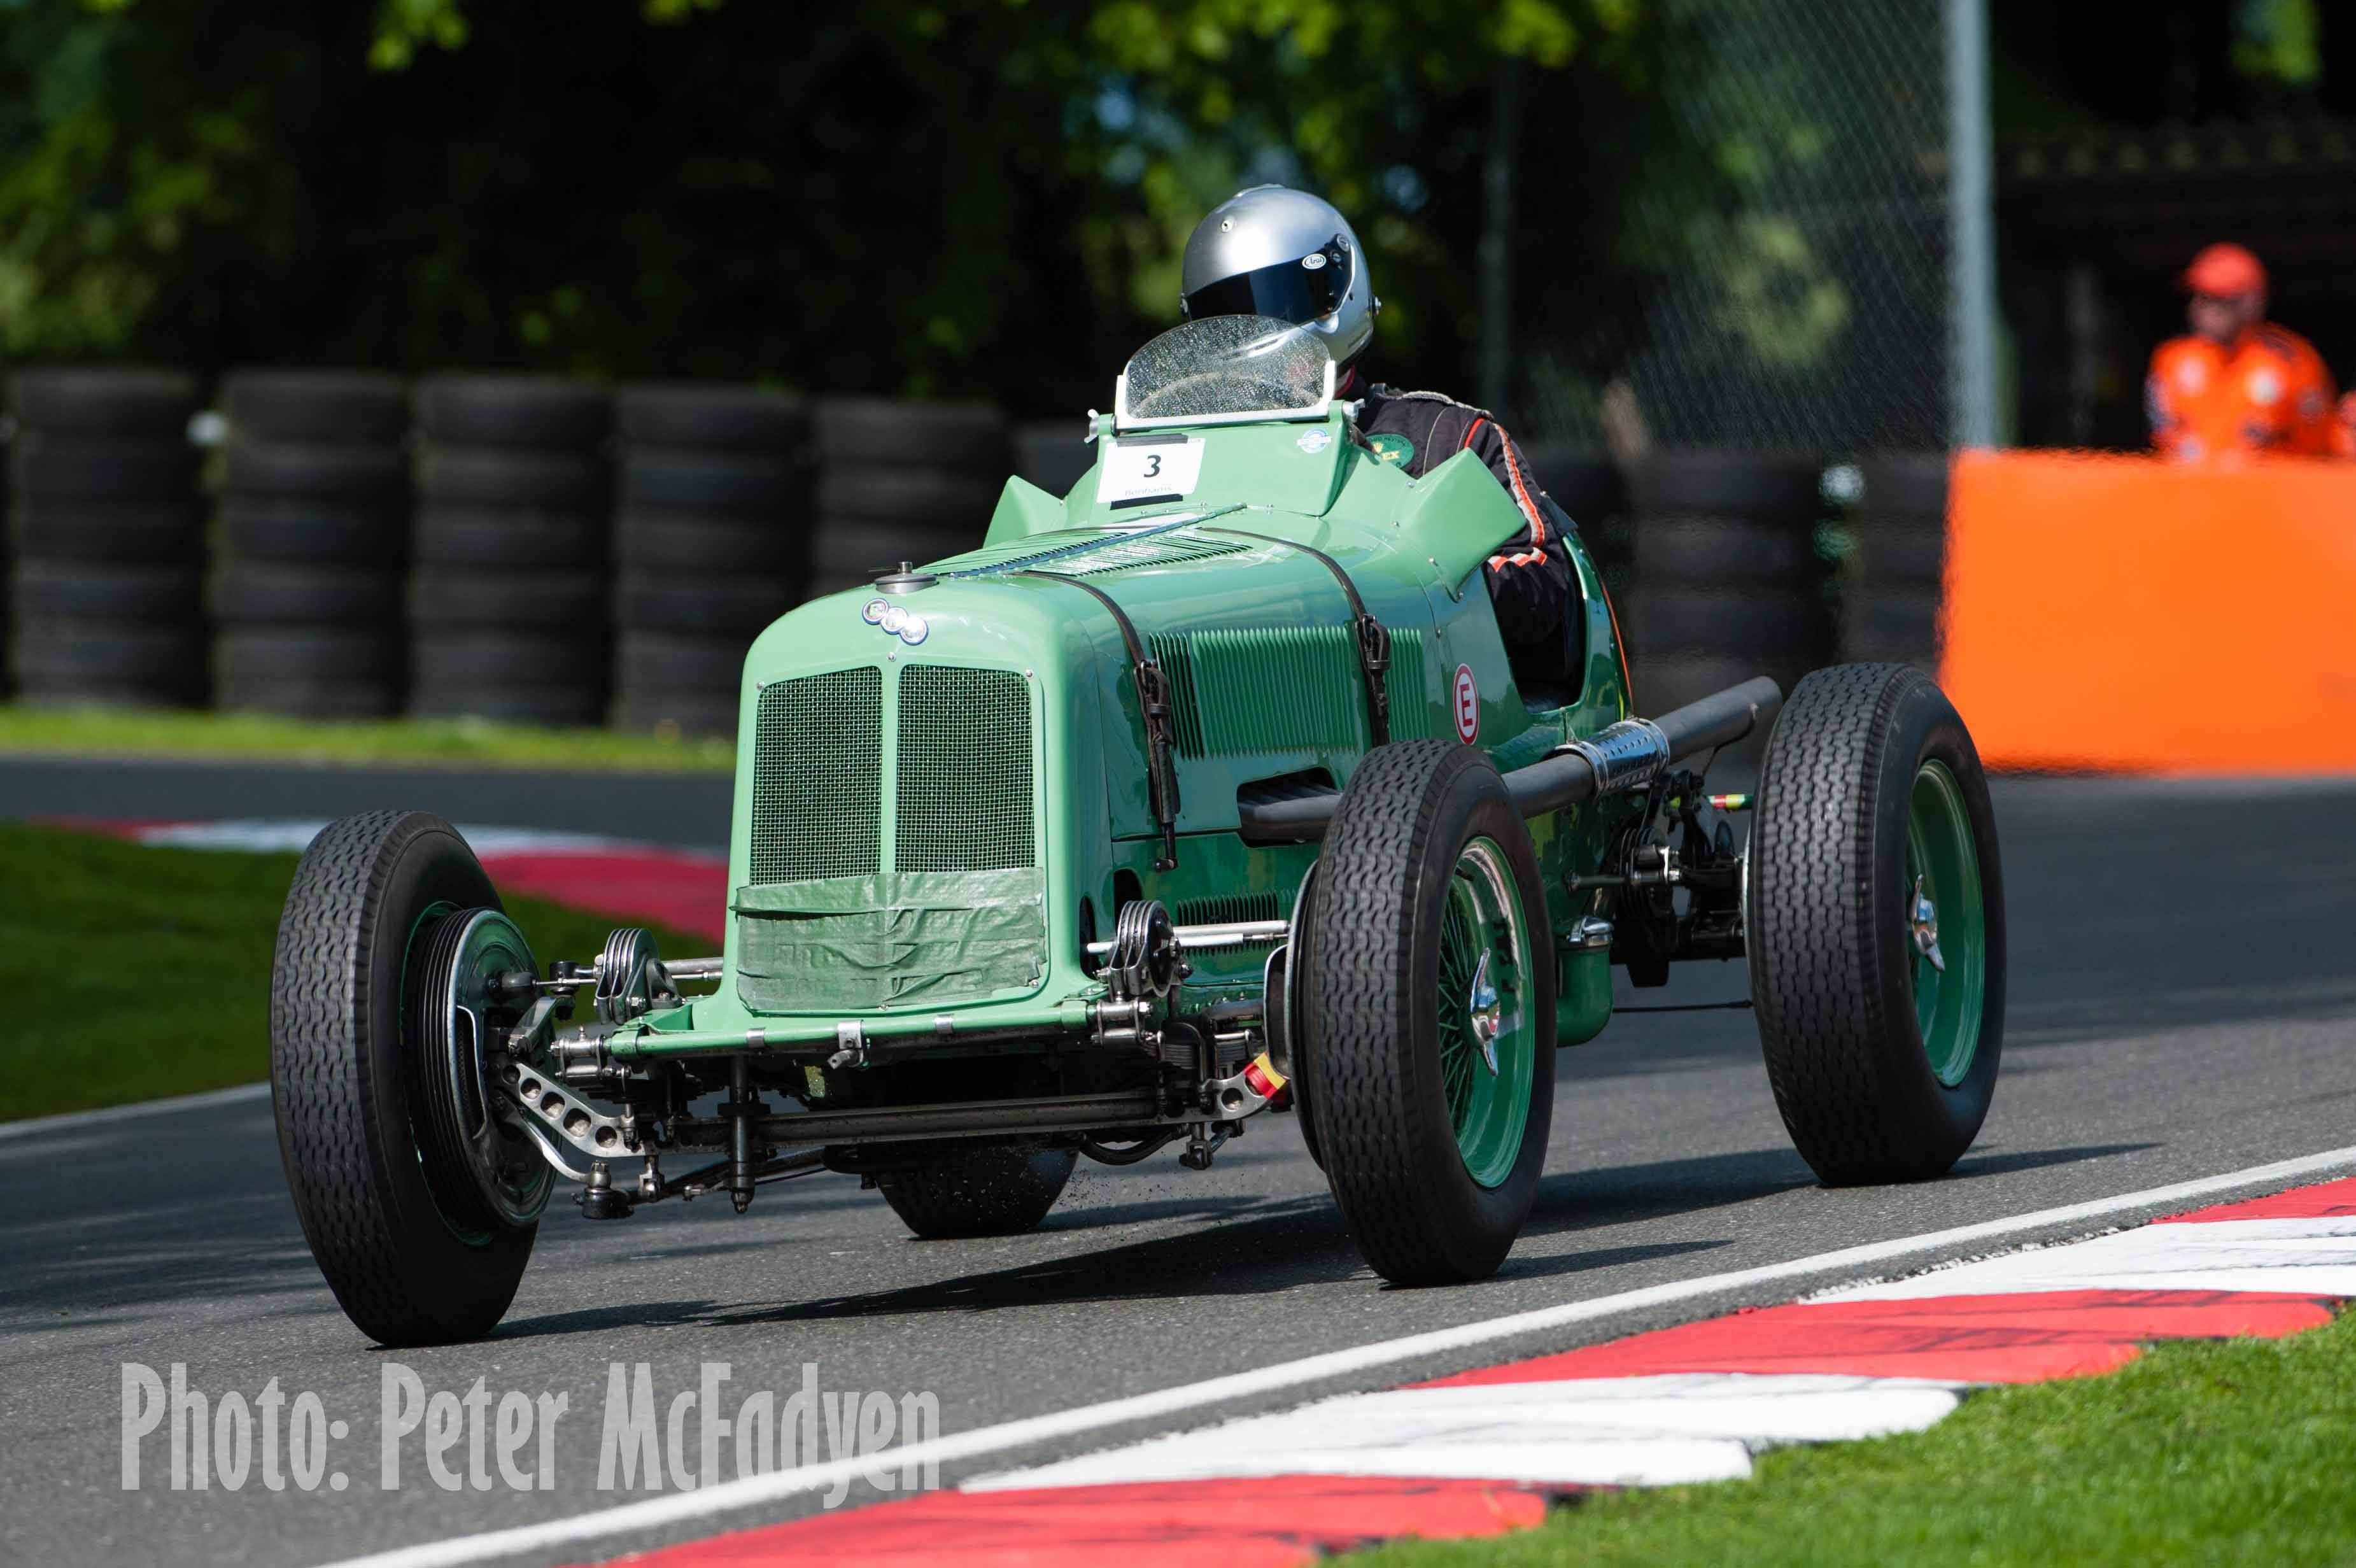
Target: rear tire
<point>994,1189</point>
<point>1300,1021</point>
<point>1432,1147</point>
<point>1882,1065</point>
<point>410,1262</point>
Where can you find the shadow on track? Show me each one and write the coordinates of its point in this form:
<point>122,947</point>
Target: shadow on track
<point>1658,1190</point>
<point>1997,1162</point>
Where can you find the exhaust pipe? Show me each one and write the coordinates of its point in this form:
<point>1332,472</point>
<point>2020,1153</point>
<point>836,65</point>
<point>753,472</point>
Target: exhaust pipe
<point>1624,756</point>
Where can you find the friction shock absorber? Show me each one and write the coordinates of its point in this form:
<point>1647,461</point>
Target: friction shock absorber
<point>743,1152</point>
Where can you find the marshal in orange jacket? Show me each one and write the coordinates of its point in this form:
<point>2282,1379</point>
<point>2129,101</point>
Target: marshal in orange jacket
<point>2269,392</point>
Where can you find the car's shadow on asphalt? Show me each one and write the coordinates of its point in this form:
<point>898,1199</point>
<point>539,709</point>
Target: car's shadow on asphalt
<point>1653,1189</point>
<point>1996,1162</point>
<point>1522,1266</point>
<point>1656,1189</point>
<point>1259,1246</point>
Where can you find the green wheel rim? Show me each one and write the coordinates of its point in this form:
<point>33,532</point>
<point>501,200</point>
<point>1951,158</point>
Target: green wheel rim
<point>472,1236</point>
<point>494,944</point>
<point>1942,869</point>
<point>1485,969</point>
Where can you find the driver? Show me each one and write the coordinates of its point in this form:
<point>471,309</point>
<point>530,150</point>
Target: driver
<point>1268,251</point>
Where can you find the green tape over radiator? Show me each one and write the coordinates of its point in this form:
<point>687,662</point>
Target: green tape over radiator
<point>845,943</point>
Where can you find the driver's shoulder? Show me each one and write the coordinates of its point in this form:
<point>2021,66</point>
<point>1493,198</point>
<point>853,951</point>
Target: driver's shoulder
<point>1432,419</point>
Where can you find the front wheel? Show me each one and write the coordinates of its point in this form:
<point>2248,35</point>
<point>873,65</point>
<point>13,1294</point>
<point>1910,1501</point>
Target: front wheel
<point>419,1206</point>
<point>1875,923</point>
<point>1432,1014</point>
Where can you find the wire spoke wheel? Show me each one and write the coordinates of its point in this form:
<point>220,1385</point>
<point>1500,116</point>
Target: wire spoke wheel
<point>1485,1032</point>
<point>1947,920</point>
<point>1874,916</point>
<point>1426,1037</point>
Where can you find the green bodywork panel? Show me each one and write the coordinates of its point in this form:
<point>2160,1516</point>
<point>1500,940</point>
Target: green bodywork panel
<point>894,925</point>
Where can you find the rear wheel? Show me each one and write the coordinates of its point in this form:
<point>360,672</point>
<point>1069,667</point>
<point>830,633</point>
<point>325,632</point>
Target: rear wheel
<point>991,1189</point>
<point>1430,1014</point>
<point>1292,1002</point>
<point>1875,922</point>
<point>419,1206</point>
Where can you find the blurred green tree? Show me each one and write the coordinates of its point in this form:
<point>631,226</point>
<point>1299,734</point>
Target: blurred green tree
<point>934,196</point>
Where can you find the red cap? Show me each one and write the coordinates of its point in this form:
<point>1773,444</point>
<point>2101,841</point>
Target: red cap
<point>2225,272</point>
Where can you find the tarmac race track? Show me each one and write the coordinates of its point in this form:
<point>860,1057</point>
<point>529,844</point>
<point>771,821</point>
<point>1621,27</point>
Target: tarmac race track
<point>2183,1005</point>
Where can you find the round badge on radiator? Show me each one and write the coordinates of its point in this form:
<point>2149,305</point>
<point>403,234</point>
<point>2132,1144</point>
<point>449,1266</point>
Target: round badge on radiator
<point>914,629</point>
<point>874,612</point>
<point>1467,697</point>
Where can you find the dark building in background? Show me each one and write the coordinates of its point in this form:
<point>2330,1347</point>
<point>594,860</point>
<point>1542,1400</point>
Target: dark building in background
<point>2129,137</point>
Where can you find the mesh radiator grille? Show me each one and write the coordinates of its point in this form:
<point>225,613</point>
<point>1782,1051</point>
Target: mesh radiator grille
<point>817,777</point>
<point>964,783</point>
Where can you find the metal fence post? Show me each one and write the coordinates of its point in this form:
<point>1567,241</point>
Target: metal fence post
<point>1971,240</point>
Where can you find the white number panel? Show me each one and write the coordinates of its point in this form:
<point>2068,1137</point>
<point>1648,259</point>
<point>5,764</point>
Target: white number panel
<point>1144,467</point>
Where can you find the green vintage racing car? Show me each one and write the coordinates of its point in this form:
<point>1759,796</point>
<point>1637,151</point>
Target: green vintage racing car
<point>1207,792</point>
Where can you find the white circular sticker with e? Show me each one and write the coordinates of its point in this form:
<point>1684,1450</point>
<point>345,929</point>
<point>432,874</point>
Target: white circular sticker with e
<point>1467,698</point>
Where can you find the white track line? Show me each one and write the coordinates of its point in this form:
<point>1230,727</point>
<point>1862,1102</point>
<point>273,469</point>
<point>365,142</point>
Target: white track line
<point>679,1507</point>
<point>12,1131</point>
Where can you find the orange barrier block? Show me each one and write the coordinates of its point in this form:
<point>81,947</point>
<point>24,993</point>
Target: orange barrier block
<point>2129,615</point>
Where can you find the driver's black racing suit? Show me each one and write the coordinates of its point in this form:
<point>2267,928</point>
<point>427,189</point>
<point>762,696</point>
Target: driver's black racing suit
<point>1530,579</point>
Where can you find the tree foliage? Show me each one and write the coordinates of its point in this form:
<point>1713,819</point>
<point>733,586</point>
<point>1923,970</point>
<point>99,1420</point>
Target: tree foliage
<point>927,196</point>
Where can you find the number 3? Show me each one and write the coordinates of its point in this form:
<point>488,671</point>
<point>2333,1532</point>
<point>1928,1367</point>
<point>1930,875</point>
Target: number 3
<point>1153,465</point>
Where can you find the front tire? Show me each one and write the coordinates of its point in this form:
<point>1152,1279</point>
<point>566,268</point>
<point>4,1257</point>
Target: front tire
<point>1875,924</point>
<point>413,1249</point>
<point>991,1189</point>
<point>1431,988</point>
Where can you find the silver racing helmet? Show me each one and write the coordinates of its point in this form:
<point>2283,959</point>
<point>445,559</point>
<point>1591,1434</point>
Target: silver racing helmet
<point>1273,252</point>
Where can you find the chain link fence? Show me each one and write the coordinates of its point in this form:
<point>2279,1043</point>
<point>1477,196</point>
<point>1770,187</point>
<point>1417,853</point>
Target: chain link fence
<point>1795,293</point>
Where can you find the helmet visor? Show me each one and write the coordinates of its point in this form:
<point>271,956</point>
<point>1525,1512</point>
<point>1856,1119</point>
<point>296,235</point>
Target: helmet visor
<point>1299,291</point>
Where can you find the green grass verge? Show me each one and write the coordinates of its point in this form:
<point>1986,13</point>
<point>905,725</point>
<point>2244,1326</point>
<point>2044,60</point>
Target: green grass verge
<point>137,972</point>
<point>2237,1451</point>
<point>416,742</point>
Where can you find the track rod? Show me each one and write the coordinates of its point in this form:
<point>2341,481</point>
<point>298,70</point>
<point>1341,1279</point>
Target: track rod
<point>1063,1113</point>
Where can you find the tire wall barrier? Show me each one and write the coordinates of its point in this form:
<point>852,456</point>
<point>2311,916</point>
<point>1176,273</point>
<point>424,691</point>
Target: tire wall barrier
<point>902,481</point>
<point>1054,454</point>
<point>507,600</point>
<point>2130,615</point>
<point>303,594</point>
<point>1720,576</point>
<point>1898,538</point>
<point>103,539</point>
<point>538,550</point>
<point>710,543</point>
